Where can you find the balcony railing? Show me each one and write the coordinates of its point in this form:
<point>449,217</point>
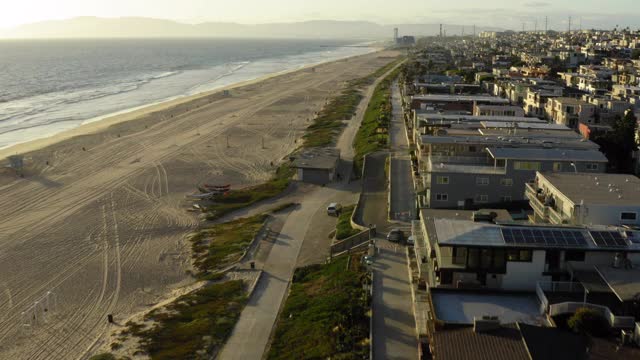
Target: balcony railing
<point>556,217</point>
<point>537,205</point>
<point>615,321</point>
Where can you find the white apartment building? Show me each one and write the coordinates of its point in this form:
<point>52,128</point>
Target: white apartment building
<point>585,199</point>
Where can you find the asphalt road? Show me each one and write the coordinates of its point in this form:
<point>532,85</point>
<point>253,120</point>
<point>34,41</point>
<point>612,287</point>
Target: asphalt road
<point>394,334</point>
<point>403,205</point>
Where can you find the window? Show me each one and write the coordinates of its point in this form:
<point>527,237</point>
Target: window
<point>482,198</point>
<point>472,149</point>
<point>483,181</point>
<point>557,166</point>
<point>442,197</point>
<point>572,255</point>
<point>519,255</point>
<point>628,216</point>
<point>443,180</point>
<point>591,166</point>
<point>527,165</point>
<point>506,182</point>
<point>506,199</point>
<point>459,256</point>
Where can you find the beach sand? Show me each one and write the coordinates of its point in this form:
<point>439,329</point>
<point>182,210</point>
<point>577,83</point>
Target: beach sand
<point>100,218</point>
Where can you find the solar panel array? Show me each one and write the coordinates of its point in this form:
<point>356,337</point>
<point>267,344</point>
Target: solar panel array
<point>608,239</point>
<point>544,237</point>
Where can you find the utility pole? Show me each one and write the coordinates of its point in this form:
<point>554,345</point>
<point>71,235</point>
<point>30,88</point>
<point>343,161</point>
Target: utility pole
<point>580,23</point>
<point>569,24</point>
<point>440,30</point>
<point>546,24</point>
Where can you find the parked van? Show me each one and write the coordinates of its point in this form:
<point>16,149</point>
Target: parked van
<point>334,209</point>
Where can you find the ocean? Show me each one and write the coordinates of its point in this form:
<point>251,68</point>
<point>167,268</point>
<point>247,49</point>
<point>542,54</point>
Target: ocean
<point>49,86</point>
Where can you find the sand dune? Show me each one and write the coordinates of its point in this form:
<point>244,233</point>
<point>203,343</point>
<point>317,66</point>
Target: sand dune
<point>102,229</point>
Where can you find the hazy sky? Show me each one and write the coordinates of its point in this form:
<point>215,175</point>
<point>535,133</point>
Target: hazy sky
<point>504,13</point>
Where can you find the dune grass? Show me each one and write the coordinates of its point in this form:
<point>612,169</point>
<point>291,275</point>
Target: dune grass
<point>325,315</point>
<point>329,123</point>
<point>221,245</point>
<point>103,356</point>
<point>373,134</point>
<point>343,227</point>
<point>195,325</point>
<point>238,199</point>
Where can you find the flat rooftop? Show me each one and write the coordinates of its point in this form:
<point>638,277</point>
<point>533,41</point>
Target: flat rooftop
<point>528,140</point>
<point>460,307</point>
<point>452,232</point>
<point>571,101</point>
<point>461,98</point>
<point>525,125</point>
<point>435,117</point>
<point>316,158</point>
<point>502,214</point>
<point>625,283</point>
<point>548,154</point>
<point>597,189</point>
<point>499,107</point>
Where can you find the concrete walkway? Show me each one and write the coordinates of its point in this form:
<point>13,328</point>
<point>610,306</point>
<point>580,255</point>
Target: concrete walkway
<point>252,333</point>
<point>393,323</point>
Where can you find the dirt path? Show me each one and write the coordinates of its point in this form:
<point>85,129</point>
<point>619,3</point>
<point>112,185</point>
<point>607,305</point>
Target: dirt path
<point>101,230</point>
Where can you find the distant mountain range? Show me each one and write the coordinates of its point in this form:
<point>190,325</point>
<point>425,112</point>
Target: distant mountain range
<point>94,27</point>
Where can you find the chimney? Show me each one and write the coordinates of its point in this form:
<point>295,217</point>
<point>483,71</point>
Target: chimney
<point>485,324</point>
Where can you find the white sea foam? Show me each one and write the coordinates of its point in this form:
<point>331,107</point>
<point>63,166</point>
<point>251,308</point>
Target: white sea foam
<point>50,113</point>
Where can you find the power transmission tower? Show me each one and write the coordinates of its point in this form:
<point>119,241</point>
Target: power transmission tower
<point>546,24</point>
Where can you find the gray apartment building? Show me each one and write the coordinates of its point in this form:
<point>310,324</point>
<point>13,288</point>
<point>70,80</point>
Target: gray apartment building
<point>477,167</point>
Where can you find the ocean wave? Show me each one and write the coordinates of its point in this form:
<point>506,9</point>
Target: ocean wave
<point>41,103</point>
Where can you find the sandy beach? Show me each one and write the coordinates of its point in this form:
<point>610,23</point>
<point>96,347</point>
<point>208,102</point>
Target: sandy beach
<point>97,225</point>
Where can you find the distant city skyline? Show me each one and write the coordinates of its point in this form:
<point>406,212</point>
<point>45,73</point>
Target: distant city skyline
<point>499,13</point>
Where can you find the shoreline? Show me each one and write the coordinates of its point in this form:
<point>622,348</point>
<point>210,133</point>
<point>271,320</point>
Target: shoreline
<point>103,122</point>
<point>100,220</point>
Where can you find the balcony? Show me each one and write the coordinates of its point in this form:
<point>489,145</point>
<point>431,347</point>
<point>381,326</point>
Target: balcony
<point>544,212</point>
<point>536,203</point>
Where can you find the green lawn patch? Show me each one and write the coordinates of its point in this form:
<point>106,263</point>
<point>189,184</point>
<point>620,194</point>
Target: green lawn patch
<point>195,325</point>
<point>238,199</point>
<point>325,315</point>
<point>373,134</point>
<point>221,245</point>
<point>343,228</point>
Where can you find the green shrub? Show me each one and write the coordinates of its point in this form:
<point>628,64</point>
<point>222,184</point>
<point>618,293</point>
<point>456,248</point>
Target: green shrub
<point>221,245</point>
<point>343,227</point>
<point>238,199</point>
<point>325,315</point>
<point>197,322</point>
<point>589,321</point>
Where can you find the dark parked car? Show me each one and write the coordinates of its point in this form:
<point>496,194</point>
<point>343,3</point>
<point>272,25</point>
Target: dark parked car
<point>395,235</point>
